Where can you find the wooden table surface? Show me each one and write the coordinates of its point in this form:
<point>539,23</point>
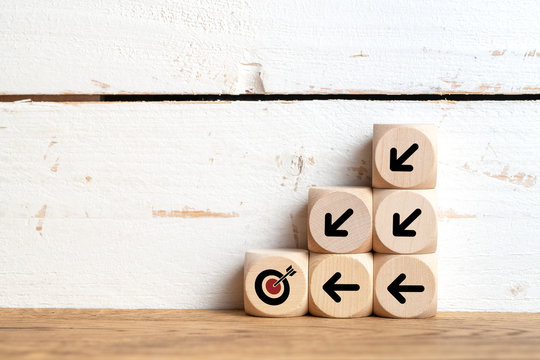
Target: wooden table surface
<point>230,334</point>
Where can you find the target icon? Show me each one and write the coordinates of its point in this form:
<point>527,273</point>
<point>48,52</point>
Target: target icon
<point>272,287</point>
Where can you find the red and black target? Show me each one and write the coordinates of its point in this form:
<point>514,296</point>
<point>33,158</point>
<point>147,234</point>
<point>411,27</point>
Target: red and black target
<point>272,287</point>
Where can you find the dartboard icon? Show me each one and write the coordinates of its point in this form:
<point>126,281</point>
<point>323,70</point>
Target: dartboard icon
<point>272,287</point>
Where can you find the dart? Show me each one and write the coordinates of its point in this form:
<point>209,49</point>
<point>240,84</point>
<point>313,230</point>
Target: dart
<point>290,271</point>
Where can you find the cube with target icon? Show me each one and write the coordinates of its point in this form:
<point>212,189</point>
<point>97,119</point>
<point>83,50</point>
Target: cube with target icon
<point>276,282</point>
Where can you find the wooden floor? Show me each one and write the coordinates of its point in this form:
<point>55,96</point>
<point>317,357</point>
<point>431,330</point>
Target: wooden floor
<point>216,334</point>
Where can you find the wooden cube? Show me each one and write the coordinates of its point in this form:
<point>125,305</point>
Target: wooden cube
<point>404,156</point>
<point>276,282</point>
<point>341,285</point>
<point>340,219</point>
<point>405,221</point>
<point>405,285</point>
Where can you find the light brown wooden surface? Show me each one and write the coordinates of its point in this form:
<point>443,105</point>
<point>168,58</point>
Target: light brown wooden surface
<point>218,334</point>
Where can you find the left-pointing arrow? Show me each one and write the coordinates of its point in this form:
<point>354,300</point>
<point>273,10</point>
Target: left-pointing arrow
<point>331,288</point>
<point>395,288</point>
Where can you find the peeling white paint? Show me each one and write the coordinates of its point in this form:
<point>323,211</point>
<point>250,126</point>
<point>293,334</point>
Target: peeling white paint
<point>302,46</point>
<point>136,216</point>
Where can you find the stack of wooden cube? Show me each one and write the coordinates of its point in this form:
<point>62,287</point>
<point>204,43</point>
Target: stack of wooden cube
<point>341,276</point>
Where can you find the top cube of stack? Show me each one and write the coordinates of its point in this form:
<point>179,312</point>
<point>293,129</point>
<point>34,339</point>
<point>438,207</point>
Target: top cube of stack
<point>404,156</point>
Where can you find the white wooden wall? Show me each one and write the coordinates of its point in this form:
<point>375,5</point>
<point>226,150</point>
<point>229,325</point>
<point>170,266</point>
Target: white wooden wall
<point>284,46</point>
<point>152,205</point>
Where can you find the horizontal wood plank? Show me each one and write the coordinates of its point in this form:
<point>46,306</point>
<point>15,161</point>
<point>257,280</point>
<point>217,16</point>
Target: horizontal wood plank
<point>199,334</point>
<point>152,205</point>
<point>237,47</point>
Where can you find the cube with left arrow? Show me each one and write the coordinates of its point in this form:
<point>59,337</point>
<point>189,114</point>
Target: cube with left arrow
<point>405,286</point>
<point>341,285</point>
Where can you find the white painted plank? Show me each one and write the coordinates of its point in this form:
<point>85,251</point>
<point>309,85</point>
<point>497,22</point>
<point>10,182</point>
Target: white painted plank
<point>152,205</point>
<point>303,46</point>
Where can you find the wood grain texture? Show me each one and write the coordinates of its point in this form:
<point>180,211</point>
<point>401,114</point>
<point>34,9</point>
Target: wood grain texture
<point>391,273</point>
<point>327,300</point>
<point>303,46</point>
<point>338,201</point>
<point>207,334</point>
<point>407,204</point>
<point>414,147</point>
<point>153,205</point>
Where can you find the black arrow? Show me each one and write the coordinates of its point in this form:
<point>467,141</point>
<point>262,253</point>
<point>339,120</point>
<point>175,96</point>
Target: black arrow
<point>331,287</point>
<point>400,229</point>
<point>395,288</point>
<point>333,229</point>
<point>396,164</point>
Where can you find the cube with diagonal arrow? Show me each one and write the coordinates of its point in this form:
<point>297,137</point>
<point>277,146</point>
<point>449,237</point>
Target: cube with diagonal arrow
<point>404,221</point>
<point>340,219</point>
<point>404,156</point>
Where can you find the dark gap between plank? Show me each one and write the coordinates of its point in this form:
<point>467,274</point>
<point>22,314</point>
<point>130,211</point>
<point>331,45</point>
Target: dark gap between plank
<point>270,97</point>
<point>309,97</point>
